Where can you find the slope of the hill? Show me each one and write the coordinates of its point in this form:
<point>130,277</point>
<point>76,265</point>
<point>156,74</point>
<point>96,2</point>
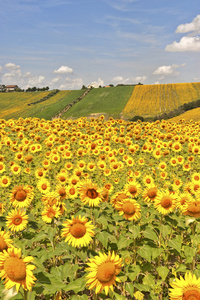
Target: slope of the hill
<point>15,104</point>
<point>192,114</point>
<point>150,101</point>
<point>107,101</point>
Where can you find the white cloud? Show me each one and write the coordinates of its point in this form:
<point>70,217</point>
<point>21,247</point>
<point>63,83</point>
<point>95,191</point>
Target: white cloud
<point>70,84</point>
<point>166,70</point>
<point>130,80</point>
<point>188,27</point>
<point>63,70</point>
<point>187,43</point>
<point>11,66</point>
<point>190,42</point>
<point>98,82</point>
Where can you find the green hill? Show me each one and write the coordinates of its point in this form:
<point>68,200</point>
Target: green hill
<point>107,101</point>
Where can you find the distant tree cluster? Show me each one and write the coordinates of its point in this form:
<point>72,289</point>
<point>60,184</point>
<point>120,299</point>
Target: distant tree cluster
<point>35,89</point>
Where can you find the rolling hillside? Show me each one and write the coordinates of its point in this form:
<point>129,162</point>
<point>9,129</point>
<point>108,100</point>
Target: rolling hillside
<point>153,100</point>
<point>148,101</point>
<point>16,105</point>
<point>107,101</point>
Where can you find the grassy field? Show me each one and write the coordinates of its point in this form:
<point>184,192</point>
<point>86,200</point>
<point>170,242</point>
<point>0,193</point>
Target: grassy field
<point>15,105</point>
<point>153,100</point>
<point>107,101</point>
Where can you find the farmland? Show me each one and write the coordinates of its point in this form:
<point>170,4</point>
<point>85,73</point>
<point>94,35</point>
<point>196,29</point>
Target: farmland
<point>154,100</point>
<point>107,101</point>
<point>99,209</point>
<point>15,105</point>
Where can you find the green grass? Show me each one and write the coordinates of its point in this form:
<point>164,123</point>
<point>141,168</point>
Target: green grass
<point>107,101</point>
<point>15,105</point>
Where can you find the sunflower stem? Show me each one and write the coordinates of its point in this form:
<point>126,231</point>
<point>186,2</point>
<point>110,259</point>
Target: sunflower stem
<point>25,295</point>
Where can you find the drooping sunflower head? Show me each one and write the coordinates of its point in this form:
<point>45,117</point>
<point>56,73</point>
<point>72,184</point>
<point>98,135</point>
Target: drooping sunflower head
<point>15,270</point>
<point>103,272</point>
<point>78,231</point>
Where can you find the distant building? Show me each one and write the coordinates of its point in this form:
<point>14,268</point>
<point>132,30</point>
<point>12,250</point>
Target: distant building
<point>11,88</point>
<point>93,85</point>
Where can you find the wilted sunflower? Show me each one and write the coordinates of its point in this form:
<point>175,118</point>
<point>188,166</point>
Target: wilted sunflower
<point>185,289</point>
<point>78,231</point>
<point>21,196</point>
<point>165,202</point>
<point>17,220</point>
<point>5,241</point>
<point>129,209</point>
<point>15,270</point>
<point>193,208</point>
<point>90,193</point>
<point>103,272</point>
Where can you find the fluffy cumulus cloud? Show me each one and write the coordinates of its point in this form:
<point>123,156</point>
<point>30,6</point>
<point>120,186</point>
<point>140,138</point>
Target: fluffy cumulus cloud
<point>168,71</point>
<point>11,73</point>
<point>97,83</point>
<point>189,42</point>
<point>188,27</point>
<point>63,70</point>
<point>129,80</point>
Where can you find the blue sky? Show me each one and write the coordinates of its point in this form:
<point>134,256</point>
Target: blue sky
<point>65,44</point>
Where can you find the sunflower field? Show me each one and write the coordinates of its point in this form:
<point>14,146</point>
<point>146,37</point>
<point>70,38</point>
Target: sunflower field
<point>154,99</point>
<point>99,209</point>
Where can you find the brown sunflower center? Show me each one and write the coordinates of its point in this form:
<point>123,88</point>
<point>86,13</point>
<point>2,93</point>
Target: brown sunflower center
<point>106,272</point>
<point>133,190</point>
<point>44,186</point>
<point>17,220</point>
<point>20,195</point>
<point>194,208</point>
<point>92,193</point>
<point>152,193</point>
<point>166,202</point>
<point>62,192</point>
<point>15,268</point>
<point>128,208</point>
<point>3,245</point>
<point>191,295</point>
<point>78,230</point>
<point>62,178</point>
<point>50,214</point>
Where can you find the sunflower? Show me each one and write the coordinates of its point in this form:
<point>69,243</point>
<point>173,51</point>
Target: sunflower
<point>150,193</point>
<point>129,209</point>
<point>5,181</point>
<point>61,191</point>
<point>119,196</point>
<point>2,167</point>
<point>147,180</point>
<point>16,169</point>
<point>50,198</point>
<point>89,193</point>
<point>21,196</point>
<point>40,173</point>
<point>43,185</point>
<point>5,241</point>
<point>17,220</point>
<point>183,200</point>
<point>185,289</point>
<point>15,270</point>
<point>133,188</point>
<point>62,177</point>
<point>103,272</point>
<point>50,212</point>
<point>193,208</point>
<point>165,202</point>
<point>78,231</point>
